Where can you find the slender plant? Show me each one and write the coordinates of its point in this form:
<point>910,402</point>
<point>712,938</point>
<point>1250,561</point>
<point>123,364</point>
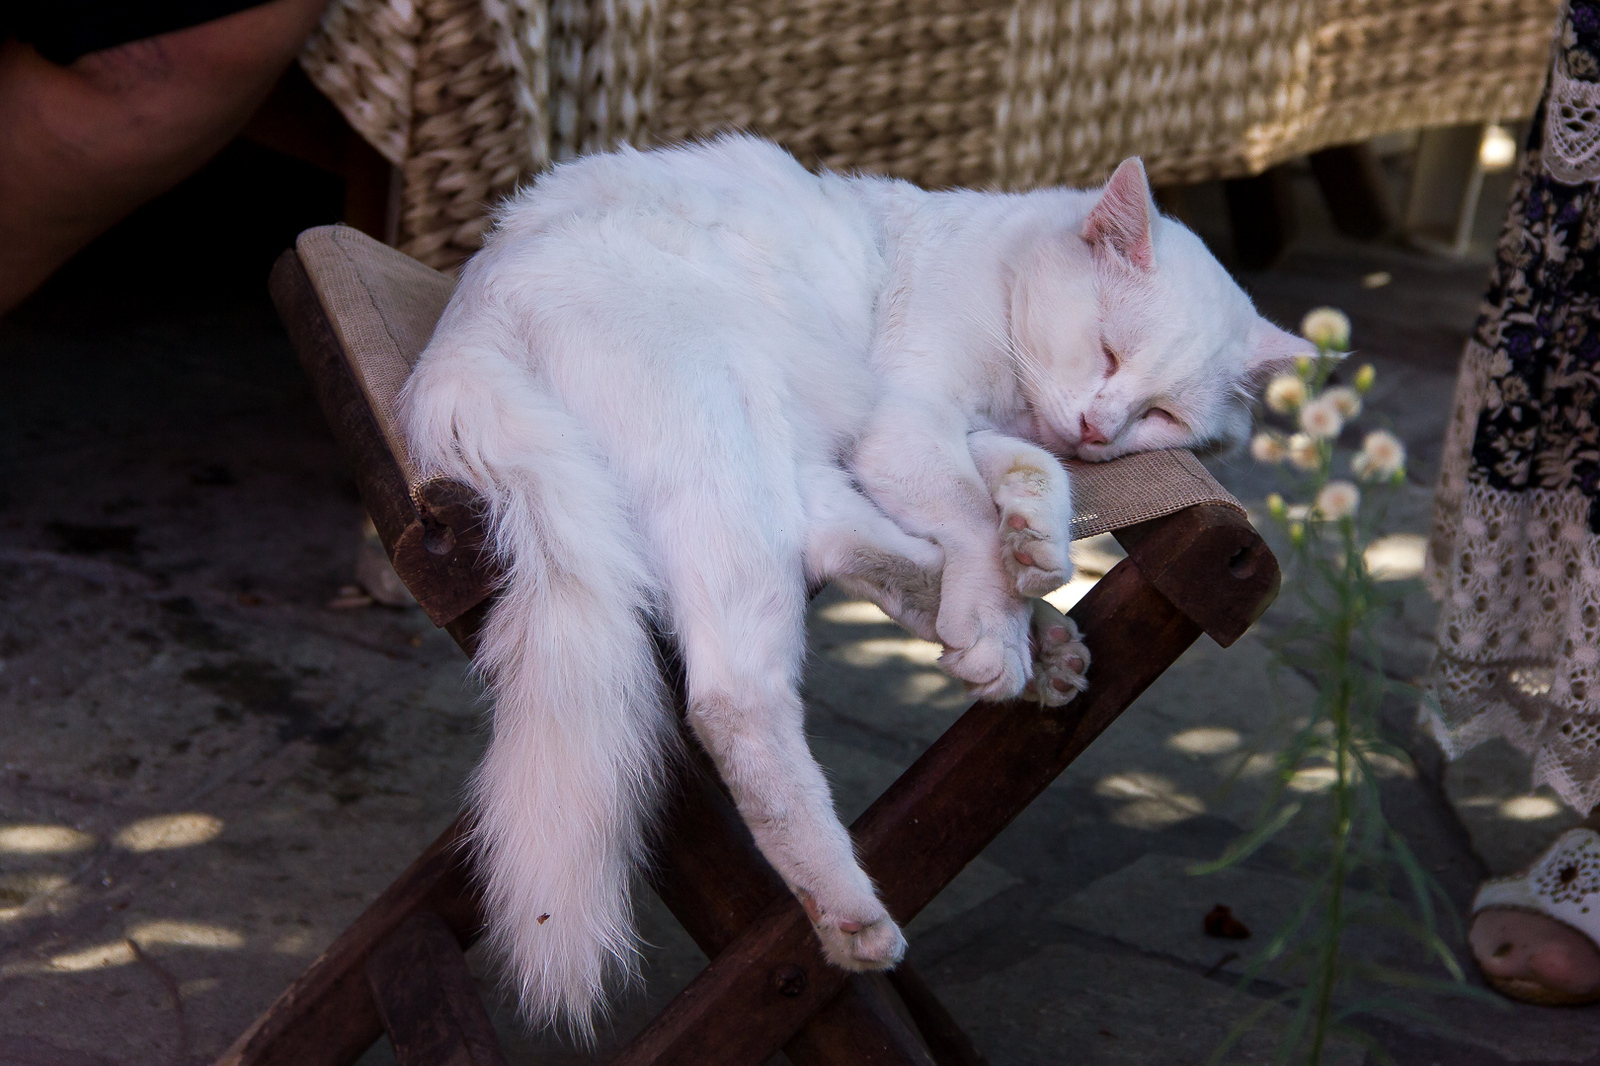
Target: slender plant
<point>1329,769</point>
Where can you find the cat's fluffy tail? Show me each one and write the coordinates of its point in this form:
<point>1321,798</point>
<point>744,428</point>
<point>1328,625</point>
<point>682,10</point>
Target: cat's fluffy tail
<point>581,726</point>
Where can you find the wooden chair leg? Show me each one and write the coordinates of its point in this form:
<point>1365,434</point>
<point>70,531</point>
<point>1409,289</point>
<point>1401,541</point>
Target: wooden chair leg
<point>1353,186</point>
<point>328,1016</point>
<point>947,1041</point>
<point>300,122</point>
<point>865,1024</point>
<point>960,794</point>
<point>716,883</point>
<point>428,999</point>
<point>1261,212</point>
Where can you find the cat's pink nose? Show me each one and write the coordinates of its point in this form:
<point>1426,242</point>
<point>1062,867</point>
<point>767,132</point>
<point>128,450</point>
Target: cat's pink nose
<point>1089,433</point>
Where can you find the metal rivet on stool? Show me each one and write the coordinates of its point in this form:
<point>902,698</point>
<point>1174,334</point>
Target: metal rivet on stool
<point>789,980</point>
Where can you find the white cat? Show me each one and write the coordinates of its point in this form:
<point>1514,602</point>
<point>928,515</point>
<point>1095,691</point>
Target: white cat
<point>693,382</point>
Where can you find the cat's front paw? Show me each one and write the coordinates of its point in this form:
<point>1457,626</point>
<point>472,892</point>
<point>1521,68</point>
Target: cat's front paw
<point>1060,658</point>
<point>990,653</point>
<point>857,938</point>
<point>1035,547</point>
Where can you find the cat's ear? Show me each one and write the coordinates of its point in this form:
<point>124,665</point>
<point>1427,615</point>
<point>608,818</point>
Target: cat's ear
<point>1273,351</point>
<point>1119,223</point>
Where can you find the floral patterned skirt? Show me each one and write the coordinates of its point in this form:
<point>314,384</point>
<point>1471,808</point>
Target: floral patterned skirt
<point>1515,552</point>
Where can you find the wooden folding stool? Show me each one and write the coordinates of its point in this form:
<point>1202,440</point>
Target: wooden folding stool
<point>359,314</point>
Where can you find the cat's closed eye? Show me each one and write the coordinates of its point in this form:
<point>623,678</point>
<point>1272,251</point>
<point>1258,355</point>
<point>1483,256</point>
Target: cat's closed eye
<point>1112,361</point>
<point>1161,414</point>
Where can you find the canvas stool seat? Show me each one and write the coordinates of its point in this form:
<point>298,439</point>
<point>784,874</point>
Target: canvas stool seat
<point>360,314</point>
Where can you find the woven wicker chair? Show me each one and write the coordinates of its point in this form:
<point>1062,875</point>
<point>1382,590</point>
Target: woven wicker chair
<point>359,314</point>
<point>469,96</point>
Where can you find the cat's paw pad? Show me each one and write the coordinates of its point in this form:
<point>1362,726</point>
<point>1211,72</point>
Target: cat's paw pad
<point>861,937</point>
<point>1036,554</point>
<point>1060,657</point>
<point>861,946</point>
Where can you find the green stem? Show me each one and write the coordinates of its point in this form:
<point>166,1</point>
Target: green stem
<point>1350,607</point>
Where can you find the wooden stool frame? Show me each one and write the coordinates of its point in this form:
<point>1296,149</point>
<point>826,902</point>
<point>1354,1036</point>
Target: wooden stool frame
<point>399,967</point>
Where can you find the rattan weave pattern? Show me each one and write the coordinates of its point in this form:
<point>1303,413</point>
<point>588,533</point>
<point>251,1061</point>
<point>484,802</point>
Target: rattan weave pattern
<point>900,87</point>
<point>469,95</point>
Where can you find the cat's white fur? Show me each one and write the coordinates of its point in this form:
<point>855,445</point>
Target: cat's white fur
<point>692,382</point>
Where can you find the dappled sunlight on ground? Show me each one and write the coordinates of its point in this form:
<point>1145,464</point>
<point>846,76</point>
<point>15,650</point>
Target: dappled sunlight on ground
<point>1205,740</point>
<point>152,937</point>
<point>185,934</point>
<point>870,653</point>
<point>43,839</point>
<point>1397,557</point>
<point>169,831</point>
<point>1149,801</point>
<point>1529,808</point>
<point>22,894</point>
<point>855,612</point>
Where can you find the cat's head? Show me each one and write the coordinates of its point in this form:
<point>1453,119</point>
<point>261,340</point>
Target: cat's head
<point>1130,336</point>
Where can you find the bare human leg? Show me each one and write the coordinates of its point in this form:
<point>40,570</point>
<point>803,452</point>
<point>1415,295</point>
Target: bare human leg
<point>83,145</point>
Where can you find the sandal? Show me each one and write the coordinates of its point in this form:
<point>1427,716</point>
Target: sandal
<point>1563,884</point>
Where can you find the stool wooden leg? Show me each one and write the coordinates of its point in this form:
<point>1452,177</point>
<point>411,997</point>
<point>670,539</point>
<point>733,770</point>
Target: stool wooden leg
<point>328,1017</point>
<point>866,1024</point>
<point>428,1000</point>
<point>715,882</point>
<point>948,1043</point>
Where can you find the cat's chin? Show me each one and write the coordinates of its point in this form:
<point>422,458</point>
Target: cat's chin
<point>1060,444</point>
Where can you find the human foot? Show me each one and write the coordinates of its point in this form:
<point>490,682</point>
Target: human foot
<point>1533,958</point>
<point>1534,936</point>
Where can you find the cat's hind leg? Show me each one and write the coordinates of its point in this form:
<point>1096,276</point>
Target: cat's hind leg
<point>854,545</point>
<point>737,599</point>
<point>1032,494</point>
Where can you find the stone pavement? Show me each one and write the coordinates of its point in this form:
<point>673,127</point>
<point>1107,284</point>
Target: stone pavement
<point>211,758</point>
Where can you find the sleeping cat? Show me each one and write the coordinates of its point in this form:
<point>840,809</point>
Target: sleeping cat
<point>694,382</point>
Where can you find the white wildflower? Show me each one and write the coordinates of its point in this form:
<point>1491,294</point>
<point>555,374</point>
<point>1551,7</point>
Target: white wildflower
<point>1338,499</point>
<point>1286,393</point>
<point>1381,456</point>
<point>1321,419</point>
<point>1345,400</point>
<point>1268,448</point>
<point>1303,451</point>
<point>1328,328</point>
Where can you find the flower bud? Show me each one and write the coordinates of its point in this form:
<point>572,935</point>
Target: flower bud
<point>1328,328</point>
<point>1321,419</point>
<point>1381,455</point>
<point>1345,400</point>
<point>1286,393</point>
<point>1303,451</point>
<point>1364,378</point>
<point>1338,499</point>
<point>1268,448</point>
